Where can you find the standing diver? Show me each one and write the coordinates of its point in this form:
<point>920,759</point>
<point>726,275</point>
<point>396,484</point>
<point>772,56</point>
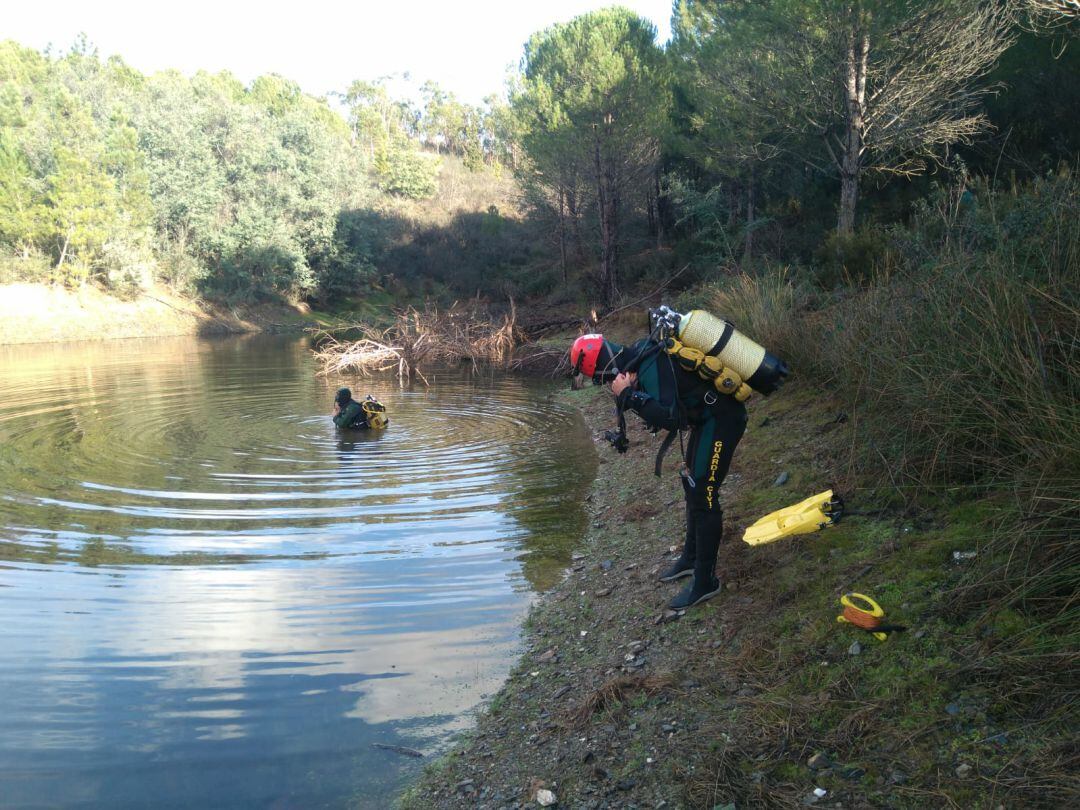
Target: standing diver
<point>353,415</point>
<point>674,384</point>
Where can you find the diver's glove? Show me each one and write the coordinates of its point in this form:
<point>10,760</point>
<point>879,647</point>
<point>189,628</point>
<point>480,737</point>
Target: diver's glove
<point>632,399</point>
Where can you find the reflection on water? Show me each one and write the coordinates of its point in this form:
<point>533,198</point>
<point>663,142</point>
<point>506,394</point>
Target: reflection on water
<point>212,597</point>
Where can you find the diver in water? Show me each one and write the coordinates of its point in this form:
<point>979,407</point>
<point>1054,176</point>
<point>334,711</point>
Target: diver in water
<point>353,415</point>
<point>664,383</point>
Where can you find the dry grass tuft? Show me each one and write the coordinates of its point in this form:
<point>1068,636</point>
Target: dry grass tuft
<point>724,780</point>
<point>615,691</point>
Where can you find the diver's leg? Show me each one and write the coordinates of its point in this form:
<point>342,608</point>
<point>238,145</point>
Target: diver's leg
<point>684,566</point>
<point>712,457</point>
<point>709,530</point>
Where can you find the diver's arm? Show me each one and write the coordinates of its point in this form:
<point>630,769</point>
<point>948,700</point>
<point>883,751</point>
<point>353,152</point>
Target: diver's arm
<point>648,408</point>
<point>347,415</point>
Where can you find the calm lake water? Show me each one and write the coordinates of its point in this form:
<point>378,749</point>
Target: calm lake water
<point>213,598</point>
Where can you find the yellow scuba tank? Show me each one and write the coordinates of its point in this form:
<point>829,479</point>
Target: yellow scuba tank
<point>804,517</point>
<point>737,353</point>
<point>708,367</point>
<point>375,413</point>
<point>717,351</point>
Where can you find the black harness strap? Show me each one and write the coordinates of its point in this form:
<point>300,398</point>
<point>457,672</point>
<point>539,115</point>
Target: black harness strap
<point>684,419</point>
<point>664,447</point>
<point>725,337</point>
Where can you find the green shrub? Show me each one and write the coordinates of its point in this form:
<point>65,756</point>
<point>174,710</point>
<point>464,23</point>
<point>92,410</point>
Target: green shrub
<point>537,283</point>
<point>852,260</point>
<point>178,268</point>
<point>127,265</point>
<point>264,270</point>
<point>406,172</point>
<point>21,268</point>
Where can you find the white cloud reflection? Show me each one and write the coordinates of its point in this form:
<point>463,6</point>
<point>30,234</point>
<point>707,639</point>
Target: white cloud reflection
<point>420,652</point>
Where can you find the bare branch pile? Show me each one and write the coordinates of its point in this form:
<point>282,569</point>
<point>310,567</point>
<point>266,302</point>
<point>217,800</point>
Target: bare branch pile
<point>450,337</point>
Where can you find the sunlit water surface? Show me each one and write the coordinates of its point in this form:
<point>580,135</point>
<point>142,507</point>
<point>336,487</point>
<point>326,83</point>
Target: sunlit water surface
<point>213,598</point>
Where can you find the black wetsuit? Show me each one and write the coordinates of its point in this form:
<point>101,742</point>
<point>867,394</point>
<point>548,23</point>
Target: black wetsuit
<point>667,397</point>
<point>351,416</point>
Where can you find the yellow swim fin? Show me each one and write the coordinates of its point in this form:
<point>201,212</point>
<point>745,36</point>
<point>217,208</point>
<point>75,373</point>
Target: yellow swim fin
<point>802,518</point>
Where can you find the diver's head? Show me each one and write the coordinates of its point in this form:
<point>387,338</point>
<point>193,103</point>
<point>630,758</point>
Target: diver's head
<point>592,356</point>
<point>342,396</point>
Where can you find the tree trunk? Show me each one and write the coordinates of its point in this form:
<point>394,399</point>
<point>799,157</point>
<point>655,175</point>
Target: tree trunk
<point>575,225</point>
<point>605,202</point>
<point>650,211</point>
<point>63,250</point>
<point>849,194</point>
<point>851,159</point>
<point>611,241</point>
<point>659,210</point>
<point>562,231</point>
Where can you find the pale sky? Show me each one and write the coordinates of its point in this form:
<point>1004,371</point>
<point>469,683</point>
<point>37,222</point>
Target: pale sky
<point>465,46</point>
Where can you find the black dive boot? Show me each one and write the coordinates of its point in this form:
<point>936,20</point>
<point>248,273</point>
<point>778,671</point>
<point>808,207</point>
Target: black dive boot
<point>708,529</point>
<point>684,566</point>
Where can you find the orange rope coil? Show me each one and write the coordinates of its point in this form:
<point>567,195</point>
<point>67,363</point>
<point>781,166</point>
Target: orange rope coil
<point>866,614</point>
<point>861,618</point>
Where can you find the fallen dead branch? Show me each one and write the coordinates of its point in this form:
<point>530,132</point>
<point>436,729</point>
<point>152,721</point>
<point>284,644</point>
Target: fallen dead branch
<point>453,336</point>
<point>399,749</point>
